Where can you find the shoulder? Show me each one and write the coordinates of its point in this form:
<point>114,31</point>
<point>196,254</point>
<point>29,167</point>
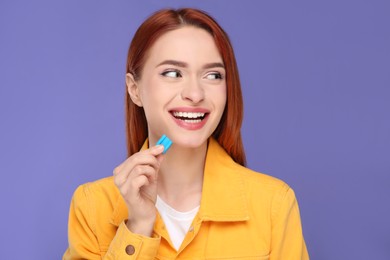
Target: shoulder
<point>264,190</point>
<point>104,186</point>
<point>99,194</point>
<point>255,184</point>
<point>257,181</point>
<point>96,211</point>
<point>261,181</point>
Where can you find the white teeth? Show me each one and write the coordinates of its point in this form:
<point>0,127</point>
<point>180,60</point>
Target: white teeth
<point>188,114</point>
<point>189,117</point>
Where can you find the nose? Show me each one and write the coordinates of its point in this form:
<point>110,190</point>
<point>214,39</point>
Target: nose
<point>193,91</point>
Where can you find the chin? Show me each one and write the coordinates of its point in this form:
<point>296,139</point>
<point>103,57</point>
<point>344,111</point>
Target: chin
<point>189,142</point>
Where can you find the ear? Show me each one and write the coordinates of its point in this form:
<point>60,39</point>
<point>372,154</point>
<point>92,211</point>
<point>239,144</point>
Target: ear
<point>133,89</point>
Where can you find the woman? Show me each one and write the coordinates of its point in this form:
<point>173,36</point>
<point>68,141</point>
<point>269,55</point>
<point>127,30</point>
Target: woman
<point>197,201</point>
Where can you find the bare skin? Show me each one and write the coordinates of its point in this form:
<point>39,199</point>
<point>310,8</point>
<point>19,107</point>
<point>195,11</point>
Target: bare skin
<point>173,80</point>
<point>136,179</point>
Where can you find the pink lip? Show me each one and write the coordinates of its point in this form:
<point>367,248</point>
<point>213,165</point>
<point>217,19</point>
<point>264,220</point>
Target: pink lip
<point>189,109</point>
<point>186,125</point>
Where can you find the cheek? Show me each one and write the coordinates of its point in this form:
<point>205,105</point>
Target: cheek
<point>155,98</point>
<point>222,96</point>
<point>148,92</point>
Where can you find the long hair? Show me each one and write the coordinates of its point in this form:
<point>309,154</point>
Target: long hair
<point>228,131</point>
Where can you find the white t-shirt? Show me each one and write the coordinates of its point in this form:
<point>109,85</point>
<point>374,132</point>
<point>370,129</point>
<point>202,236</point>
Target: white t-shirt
<point>176,222</point>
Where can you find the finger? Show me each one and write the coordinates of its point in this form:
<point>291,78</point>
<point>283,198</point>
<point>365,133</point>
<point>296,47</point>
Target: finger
<point>133,186</point>
<point>146,170</point>
<point>156,150</point>
<point>123,182</point>
<point>143,157</point>
<point>160,158</point>
<point>117,169</point>
<point>131,189</point>
<point>121,178</point>
<point>137,184</point>
<point>137,167</point>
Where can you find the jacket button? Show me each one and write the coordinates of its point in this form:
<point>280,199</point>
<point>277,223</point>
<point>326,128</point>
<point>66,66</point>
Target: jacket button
<point>130,250</point>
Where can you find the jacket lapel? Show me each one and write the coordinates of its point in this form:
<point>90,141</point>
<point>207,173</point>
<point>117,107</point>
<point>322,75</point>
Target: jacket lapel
<point>223,194</point>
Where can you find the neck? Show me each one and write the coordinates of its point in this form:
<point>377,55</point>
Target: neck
<point>180,177</point>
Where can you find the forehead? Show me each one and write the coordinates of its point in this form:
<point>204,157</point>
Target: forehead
<point>188,44</point>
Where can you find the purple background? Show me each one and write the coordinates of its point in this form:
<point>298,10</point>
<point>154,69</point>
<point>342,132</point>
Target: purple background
<point>316,83</point>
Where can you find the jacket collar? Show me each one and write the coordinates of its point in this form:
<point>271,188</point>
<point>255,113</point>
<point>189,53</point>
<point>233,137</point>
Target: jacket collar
<point>223,194</point>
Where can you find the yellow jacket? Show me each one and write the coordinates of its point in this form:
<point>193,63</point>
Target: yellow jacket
<point>243,215</point>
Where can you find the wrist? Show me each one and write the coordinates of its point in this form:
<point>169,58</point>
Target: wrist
<point>144,227</point>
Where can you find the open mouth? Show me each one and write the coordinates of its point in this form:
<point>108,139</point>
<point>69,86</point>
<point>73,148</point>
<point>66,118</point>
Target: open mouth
<point>190,117</point>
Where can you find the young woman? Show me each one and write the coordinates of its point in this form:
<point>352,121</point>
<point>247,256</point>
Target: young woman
<point>197,201</point>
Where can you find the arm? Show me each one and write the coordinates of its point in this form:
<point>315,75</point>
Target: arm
<point>83,240</point>
<point>83,243</point>
<point>287,238</point>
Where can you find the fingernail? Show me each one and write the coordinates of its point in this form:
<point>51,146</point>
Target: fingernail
<point>159,147</point>
<point>164,140</point>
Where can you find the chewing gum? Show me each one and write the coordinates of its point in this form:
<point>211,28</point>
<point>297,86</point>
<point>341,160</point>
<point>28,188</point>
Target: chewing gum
<point>166,142</point>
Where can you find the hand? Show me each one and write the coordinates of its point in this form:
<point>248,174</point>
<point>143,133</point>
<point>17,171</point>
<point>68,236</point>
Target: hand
<point>136,179</point>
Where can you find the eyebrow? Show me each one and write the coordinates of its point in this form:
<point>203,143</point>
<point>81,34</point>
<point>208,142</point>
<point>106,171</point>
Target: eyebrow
<point>185,65</point>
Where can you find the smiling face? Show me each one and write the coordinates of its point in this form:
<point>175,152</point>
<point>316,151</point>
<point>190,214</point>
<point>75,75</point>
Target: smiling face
<point>182,87</point>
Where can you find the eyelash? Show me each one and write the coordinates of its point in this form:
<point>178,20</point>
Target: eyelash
<point>178,74</point>
<point>217,75</point>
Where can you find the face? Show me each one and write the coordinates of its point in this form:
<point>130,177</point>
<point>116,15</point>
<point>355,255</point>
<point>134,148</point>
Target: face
<point>182,87</point>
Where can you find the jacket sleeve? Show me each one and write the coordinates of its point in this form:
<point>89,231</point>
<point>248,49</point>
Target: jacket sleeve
<point>84,242</point>
<point>287,237</point>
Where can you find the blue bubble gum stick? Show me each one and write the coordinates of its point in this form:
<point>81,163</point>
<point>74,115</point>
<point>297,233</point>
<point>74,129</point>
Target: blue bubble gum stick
<point>166,142</point>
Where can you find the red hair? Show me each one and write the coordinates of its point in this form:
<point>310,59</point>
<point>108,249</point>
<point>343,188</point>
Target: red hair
<point>228,131</point>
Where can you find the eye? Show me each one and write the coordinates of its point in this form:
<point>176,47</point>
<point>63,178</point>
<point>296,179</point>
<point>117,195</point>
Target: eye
<point>172,74</point>
<point>214,76</point>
